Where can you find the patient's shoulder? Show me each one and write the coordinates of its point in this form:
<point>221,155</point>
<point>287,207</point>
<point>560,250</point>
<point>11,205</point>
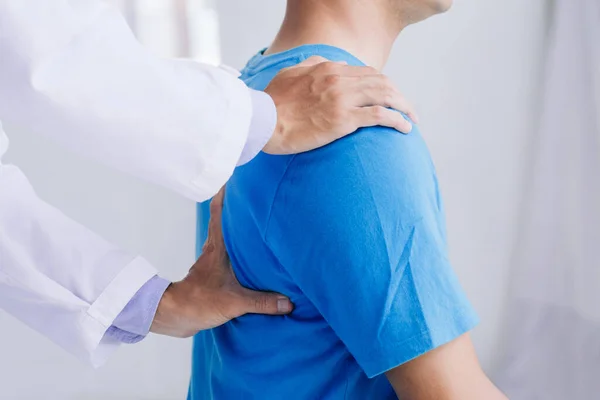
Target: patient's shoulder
<point>373,168</point>
<point>379,158</point>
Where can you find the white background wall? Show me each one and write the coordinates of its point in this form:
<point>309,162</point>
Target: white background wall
<point>473,75</point>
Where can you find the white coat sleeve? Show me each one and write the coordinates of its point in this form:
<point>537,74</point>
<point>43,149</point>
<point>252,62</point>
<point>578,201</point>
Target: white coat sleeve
<point>71,69</point>
<point>58,277</point>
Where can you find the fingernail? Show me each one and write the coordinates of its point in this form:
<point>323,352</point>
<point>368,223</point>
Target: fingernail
<point>284,305</point>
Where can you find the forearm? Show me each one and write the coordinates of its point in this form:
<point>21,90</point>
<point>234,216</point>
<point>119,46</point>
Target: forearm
<point>449,372</point>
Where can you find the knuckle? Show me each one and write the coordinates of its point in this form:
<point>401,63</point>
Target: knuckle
<point>327,67</point>
<point>333,80</point>
<point>378,113</point>
<point>261,303</point>
<point>389,97</point>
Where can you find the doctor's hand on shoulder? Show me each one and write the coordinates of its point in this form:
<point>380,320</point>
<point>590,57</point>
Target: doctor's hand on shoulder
<point>319,102</point>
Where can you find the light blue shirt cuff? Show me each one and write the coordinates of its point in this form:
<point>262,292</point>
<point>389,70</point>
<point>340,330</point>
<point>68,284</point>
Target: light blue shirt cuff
<point>133,323</point>
<point>262,126</point>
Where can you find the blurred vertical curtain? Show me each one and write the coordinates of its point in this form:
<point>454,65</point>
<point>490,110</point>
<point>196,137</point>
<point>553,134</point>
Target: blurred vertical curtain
<point>553,326</point>
<point>175,28</point>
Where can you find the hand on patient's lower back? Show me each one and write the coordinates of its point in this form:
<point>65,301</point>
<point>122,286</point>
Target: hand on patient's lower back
<point>319,102</point>
<point>211,295</point>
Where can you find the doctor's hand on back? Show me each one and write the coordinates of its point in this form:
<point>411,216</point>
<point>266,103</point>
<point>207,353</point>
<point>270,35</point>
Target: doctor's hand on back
<point>74,72</point>
<point>210,295</point>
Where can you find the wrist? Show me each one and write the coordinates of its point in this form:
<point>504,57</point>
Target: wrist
<point>262,125</point>
<point>165,319</point>
<point>277,143</point>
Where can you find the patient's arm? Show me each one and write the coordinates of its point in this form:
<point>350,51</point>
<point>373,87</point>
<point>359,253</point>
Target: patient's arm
<point>359,226</point>
<point>449,372</point>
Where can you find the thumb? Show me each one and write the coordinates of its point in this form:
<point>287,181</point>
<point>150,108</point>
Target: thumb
<point>265,303</point>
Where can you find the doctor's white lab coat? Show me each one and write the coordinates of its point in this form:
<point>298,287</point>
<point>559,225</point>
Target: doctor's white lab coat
<point>71,69</point>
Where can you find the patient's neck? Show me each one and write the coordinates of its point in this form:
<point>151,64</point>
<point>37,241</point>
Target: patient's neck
<point>366,31</point>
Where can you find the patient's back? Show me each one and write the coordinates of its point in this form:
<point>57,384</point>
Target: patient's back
<point>283,215</point>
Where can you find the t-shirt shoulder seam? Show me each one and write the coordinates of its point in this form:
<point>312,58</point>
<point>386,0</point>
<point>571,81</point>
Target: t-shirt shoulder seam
<point>302,56</point>
<point>253,71</point>
<point>275,196</point>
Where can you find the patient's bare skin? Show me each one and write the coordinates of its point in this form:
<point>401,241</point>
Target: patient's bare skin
<point>450,372</point>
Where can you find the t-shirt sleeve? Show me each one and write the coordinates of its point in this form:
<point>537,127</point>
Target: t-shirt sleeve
<point>361,233</point>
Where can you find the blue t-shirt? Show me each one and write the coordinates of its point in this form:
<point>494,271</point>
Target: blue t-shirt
<point>354,234</point>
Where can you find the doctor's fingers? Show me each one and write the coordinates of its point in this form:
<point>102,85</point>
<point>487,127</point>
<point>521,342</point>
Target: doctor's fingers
<point>364,87</point>
<point>254,302</point>
<point>378,115</point>
<point>379,91</point>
